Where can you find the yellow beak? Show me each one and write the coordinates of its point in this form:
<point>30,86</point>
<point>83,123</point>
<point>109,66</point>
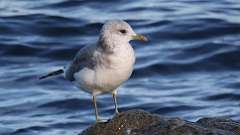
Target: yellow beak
<point>140,38</point>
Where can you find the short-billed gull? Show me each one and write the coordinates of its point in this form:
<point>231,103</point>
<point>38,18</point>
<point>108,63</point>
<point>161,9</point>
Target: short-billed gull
<point>103,67</point>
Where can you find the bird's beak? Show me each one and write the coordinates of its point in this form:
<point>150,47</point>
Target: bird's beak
<point>139,37</point>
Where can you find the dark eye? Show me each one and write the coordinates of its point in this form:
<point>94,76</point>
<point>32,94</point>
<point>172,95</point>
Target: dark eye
<point>123,31</point>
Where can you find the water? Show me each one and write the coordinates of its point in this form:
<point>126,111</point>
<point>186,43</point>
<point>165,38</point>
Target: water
<point>189,69</point>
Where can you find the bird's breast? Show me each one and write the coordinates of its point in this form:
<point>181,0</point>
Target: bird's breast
<point>117,69</point>
<point>110,71</point>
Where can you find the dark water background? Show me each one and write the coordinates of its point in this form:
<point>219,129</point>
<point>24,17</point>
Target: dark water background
<point>190,68</point>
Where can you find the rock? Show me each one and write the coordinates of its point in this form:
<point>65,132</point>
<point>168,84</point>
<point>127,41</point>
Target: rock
<point>139,122</point>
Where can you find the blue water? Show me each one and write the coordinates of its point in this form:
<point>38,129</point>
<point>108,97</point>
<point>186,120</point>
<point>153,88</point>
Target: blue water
<point>189,69</point>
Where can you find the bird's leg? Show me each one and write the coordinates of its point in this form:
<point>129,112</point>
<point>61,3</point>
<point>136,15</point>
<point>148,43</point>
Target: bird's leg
<point>114,94</point>
<point>96,110</point>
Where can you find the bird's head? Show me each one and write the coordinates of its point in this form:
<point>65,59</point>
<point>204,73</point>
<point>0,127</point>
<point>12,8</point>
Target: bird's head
<point>119,31</point>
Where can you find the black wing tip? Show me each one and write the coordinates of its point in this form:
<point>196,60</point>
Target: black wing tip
<point>57,72</point>
<point>41,77</point>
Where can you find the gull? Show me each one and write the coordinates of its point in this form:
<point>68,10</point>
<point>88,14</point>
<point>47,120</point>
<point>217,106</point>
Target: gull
<point>104,66</point>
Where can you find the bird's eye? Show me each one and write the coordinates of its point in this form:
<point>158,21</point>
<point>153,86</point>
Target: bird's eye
<point>123,31</point>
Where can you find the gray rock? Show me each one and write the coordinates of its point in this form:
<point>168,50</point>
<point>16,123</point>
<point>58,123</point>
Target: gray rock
<point>139,122</point>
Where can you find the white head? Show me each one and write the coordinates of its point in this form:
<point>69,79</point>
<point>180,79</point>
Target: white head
<point>114,32</point>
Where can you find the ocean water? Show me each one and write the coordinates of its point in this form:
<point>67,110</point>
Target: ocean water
<point>190,68</point>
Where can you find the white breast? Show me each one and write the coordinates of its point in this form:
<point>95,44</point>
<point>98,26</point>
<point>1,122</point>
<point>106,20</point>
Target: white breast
<point>110,75</point>
<point>119,69</point>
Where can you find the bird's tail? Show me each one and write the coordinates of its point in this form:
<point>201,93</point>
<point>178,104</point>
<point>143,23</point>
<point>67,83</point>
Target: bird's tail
<point>54,73</point>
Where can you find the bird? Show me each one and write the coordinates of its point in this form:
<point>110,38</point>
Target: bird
<point>104,66</point>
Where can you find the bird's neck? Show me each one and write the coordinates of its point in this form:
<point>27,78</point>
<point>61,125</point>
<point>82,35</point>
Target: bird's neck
<point>102,44</point>
<point>108,45</point>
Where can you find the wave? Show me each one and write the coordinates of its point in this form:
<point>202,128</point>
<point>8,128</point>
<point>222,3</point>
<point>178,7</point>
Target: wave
<point>69,104</point>
<point>222,96</point>
<point>207,57</point>
<point>192,29</point>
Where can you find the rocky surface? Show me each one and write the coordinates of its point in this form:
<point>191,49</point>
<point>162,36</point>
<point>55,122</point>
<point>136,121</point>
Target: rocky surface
<point>139,122</point>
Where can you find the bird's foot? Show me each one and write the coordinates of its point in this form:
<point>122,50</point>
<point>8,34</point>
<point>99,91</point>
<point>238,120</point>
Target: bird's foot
<point>101,120</point>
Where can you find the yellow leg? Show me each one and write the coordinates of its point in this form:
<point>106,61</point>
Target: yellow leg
<point>114,94</point>
<point>95,107</point>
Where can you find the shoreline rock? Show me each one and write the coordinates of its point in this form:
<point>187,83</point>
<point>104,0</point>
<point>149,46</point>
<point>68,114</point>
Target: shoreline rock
<point>139,122</point>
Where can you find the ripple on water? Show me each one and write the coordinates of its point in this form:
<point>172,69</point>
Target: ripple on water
<point>189,66</point>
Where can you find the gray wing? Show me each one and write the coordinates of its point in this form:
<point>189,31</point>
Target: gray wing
<point>84,58</point>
